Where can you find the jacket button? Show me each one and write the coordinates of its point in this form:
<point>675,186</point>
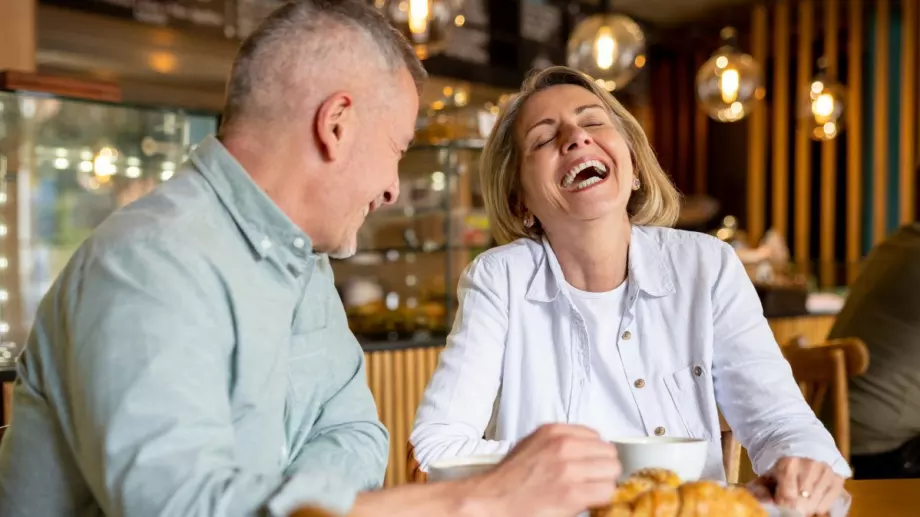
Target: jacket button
<point>639,383</point>
<point>627,335</point>
<point>659,431</point>
<point>698,371</point>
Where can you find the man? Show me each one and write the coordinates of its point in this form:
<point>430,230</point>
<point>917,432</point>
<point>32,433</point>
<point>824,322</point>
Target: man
<point>193,357</point>
<point>883,309</point>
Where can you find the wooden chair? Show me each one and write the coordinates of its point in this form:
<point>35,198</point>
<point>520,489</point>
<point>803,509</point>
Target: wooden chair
<point>731,458</point>
<point>731,452</point>
<point>827,367</point>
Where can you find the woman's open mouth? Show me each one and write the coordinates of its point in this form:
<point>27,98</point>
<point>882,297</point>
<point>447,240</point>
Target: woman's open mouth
<point>585,174</point>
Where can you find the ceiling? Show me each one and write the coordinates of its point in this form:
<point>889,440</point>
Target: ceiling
<point>669,12</point>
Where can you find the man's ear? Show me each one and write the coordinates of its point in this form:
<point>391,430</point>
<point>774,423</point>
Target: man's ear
<point>335,120</point>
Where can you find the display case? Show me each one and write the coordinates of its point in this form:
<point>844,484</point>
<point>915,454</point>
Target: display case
<point>401,285</point>
<point>65,165</point>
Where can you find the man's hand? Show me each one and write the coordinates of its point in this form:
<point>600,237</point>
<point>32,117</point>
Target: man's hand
<point>558,471</point>
<point>809,486</point>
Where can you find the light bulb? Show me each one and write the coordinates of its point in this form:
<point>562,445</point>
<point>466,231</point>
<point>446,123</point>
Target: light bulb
<point>608,47</point>
<point>729,83</point>
<point>418,16</point>
<point>425,23</point>
<point>604,48</point>
<point>821,105</point>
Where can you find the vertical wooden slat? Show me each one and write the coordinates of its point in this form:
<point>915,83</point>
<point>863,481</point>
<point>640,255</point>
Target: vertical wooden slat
<point>827,267</point>
<point>398,435</point>
<point>908,149</point>
<point>757,137</point>
<point>700,139</point>
<point>685,103</point>
<point>880,124</point>
<point>804,75</point>
<point>854,138</point>
<point>387,407</point>
<point>781,119</point>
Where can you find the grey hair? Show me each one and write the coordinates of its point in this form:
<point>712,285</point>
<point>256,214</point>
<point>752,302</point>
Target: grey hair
<point>311,30</point>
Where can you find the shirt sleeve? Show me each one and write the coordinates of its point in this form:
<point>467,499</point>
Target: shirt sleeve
<point>146,335</point>
<point>457,404</point>
<point>754,386</point>
<point>347,449</point>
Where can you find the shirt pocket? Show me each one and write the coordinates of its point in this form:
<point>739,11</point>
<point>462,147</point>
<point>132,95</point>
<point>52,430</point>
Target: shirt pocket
<point>686,389</point>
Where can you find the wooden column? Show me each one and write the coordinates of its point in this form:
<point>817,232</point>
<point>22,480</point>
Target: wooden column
<point>854,117</point>
<point>827,268</point>
<point>781,118</point>
<point>804,74</point>
<point>17,35</point>
<point>17,52</point>
<point>908,151</point>
<point>757,138</point>
<point>880,125</point>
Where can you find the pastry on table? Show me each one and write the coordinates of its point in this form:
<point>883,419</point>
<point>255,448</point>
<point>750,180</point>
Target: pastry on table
<point>659,493</point>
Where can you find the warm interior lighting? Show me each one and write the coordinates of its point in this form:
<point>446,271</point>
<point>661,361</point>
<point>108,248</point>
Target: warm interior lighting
<point>604,48</point>
<point>460,20</point>
<point>418,16</point>
<point>823,107</point>
<point>729,84</point>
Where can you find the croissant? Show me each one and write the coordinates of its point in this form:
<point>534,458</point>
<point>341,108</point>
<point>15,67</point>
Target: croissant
<point>659,493</point>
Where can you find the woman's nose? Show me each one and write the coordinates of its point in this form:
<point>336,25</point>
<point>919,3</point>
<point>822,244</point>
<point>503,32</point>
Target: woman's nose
<point>576,138</point>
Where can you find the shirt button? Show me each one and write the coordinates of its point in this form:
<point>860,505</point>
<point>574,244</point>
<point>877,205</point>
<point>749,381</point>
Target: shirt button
<point>627,335</point>
<point>698,371</point>
<point>265,244</point>
<point>299,243</point>
<point>659,431</point>
<point>639,383</point>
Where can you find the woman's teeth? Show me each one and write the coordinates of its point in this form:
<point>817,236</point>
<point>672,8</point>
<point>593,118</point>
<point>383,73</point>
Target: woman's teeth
<point>599,168</point>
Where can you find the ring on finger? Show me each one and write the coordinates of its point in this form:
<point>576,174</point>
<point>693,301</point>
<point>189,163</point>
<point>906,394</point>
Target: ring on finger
<point>805,494</point>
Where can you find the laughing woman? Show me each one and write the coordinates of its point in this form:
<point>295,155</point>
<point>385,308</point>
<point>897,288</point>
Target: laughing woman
<point>594,312</point>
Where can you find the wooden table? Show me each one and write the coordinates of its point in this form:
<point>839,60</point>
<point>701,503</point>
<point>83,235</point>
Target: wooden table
<point>884,497</point>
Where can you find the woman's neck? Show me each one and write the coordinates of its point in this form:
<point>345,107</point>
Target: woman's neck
<point>593,257</point>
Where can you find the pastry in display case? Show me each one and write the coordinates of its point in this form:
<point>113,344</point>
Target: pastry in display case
<point>401,284</point>
<point>65,165</point>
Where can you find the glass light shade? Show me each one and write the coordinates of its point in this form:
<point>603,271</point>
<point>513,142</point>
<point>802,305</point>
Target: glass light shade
<point>730,83</point>
<point>608,47</point>
<point>425,23</point>
<point>821,107</point>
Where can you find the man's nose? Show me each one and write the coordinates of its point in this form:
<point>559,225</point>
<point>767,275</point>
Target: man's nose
<point>391,194</point>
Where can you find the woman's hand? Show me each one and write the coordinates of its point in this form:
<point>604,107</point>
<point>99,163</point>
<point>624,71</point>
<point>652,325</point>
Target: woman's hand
<point>809,486</point>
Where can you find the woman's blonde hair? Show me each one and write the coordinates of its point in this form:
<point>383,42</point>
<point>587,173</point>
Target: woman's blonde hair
<point>656,203</point>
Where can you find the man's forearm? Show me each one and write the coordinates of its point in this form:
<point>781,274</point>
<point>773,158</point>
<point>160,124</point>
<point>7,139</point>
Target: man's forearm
<point>447,499</point>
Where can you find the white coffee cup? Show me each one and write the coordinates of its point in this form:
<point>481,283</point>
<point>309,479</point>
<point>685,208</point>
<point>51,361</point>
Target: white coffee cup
<point>462,466</point>
<point>686,457</point>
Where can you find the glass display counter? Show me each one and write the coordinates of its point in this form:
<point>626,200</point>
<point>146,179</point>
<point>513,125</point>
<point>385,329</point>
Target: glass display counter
<point>65,165</point>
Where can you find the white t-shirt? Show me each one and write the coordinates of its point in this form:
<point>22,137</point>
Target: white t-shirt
<point>613,412</point>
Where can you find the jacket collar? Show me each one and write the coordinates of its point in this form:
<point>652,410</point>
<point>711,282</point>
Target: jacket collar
<point>263,224</point>
<point>647,269</point>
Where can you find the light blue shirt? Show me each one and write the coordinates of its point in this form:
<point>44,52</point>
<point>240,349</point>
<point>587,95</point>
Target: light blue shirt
<point>192,359</point>
<point>691,341</point>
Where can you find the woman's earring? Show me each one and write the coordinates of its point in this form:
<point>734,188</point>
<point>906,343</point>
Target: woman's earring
<point>636,184</point>
<point>528,221</point>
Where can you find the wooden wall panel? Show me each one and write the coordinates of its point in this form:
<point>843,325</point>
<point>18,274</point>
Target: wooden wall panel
<point>804,75</point>
<point>757,138</point>
<point>880,122</point>
<point>908,102</point>
<point>781,125</point>
<point>854,165</point>
<point>397,379</point>
<point>828,208</point>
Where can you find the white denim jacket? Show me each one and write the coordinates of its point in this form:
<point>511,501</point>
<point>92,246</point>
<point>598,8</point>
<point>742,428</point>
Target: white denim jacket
<point>693,330</point>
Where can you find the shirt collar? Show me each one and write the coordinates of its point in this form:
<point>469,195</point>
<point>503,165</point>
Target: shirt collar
<point>648,271</point>
<point>263,224</point>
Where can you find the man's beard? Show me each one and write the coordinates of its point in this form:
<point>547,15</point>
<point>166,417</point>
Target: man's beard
<point>346,251</point>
